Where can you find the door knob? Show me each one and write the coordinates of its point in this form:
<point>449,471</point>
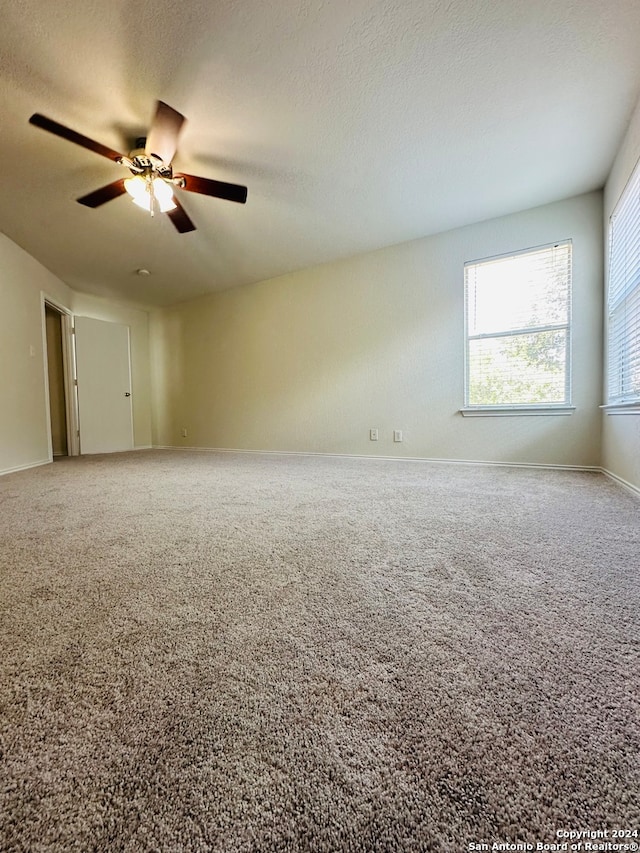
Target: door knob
<point>127,394</point>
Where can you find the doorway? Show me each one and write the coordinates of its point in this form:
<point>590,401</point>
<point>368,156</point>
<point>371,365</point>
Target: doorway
<point>87,383</point>
<point>55,375</point>
<point>60,385</point>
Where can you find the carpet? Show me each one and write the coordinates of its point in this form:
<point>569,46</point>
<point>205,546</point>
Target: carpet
<point>253,653</point>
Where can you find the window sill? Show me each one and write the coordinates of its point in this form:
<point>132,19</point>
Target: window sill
<point>622,408</point>
<point>511,411</point>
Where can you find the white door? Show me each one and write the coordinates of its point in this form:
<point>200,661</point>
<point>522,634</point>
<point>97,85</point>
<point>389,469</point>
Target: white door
<point>103,369</point>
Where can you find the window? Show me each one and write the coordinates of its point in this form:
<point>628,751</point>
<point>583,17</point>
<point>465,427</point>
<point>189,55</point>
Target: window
<point>623,299</point>
<point>518,332</point>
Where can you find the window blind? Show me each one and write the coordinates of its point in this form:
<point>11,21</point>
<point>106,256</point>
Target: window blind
<point>623,297</point>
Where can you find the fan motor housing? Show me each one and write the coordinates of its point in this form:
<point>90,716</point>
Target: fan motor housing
<point>149,163</point>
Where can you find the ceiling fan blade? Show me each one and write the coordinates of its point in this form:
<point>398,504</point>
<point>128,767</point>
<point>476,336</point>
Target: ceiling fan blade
<point>72,136</point>
<point>180,218</point>
<point>217,189</point>
<point>162,139</point>
<point>104,194</point>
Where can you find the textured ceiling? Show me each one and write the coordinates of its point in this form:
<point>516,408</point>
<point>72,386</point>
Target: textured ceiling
<point>354,125</point>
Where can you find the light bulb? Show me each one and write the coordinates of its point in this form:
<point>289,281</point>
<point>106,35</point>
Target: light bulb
<point>164,195</point>
<point>137,189</point>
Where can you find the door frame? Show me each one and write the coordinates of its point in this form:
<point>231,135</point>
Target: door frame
<point>69,371</point>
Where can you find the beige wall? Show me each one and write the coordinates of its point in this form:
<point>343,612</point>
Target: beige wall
<point>312,360</point>
<point>24,415</point>
<point>621,433</point>
<point>23,410</point>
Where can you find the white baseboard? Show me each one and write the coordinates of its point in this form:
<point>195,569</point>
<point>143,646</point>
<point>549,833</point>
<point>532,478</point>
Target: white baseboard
<point>630,487</point>
<point>624,483</point>
<point>25,467</point>
<point>593,468</point>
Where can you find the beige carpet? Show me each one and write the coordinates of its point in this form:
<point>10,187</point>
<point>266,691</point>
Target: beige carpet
<point>234,652</point>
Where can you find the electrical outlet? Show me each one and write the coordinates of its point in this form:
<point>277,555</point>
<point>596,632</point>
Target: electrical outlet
<point>184,432</point>
<point>397,435</point>
<point>373,434</point>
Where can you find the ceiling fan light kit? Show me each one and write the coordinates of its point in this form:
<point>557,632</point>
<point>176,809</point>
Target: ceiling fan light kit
<point>152,183</point>
<point>147,191</point>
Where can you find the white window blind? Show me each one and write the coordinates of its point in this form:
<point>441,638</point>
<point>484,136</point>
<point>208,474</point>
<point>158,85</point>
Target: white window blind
<point>623,297</point>
<point>518,328</point>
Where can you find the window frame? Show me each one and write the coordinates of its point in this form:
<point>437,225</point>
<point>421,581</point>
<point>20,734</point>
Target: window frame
<point>622,404</point>
<point>564,407</point>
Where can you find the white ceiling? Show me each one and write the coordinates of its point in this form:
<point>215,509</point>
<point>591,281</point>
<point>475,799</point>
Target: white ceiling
<point>354,125</point>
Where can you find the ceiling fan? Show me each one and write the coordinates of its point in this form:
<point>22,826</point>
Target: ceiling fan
<point>153,182</point>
